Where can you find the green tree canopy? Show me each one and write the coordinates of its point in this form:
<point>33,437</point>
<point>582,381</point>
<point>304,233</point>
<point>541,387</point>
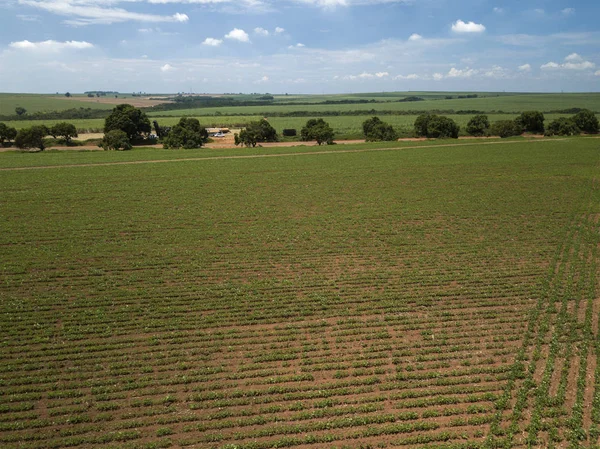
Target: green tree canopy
<point>531,121</point>
<point>587,121</point>
<point>562,127</point>
<point>186,134</point>
<point>63,130</point>
<point>115,140</point>
<point>319,130</point>
<point>7,133</point>
<point>506,128</point>
<point>376,130</point>
<point>32,137</point>
<point>255,132</point>
<point>478,125</point>
<point>129,119</point>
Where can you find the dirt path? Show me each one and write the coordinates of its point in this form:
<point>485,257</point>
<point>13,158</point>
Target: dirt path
<point>256,156</point>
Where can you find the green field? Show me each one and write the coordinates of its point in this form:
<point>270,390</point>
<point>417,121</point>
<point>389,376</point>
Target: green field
<point>390,295</point>
<point>40,103</point>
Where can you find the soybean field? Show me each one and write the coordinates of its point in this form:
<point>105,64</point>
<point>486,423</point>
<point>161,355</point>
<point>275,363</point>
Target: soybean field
<point>368,296</point>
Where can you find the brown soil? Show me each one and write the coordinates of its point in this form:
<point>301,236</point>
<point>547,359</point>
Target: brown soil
<point>138,102</point>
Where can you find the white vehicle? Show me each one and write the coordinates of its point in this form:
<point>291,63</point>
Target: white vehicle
<point>219,135</point>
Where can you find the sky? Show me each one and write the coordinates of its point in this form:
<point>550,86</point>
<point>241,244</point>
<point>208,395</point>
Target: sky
<point>299,46</point>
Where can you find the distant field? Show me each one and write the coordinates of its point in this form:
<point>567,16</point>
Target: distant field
<point>505,103</point>
<point>417,296</point>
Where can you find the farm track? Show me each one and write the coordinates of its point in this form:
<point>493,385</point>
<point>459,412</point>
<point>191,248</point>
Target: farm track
<point>254,156</point>
<point>397,324</point>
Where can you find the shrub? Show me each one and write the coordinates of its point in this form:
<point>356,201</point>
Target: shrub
<point>478,125</point>
<point>587,121</point>
<point>289,132</point>
<point>531,121</point>
<point>375,130</point>
<point>319,130</point>
<point>186,134</point>
<point>115,140</point>
<point>562,127</point>
<point>441,127</point>
<point>505,128</point>
<point>31,137</point>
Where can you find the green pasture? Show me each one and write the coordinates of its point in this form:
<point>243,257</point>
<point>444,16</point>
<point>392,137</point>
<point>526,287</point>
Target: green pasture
<point>44,103</point>
<point>350,296</point>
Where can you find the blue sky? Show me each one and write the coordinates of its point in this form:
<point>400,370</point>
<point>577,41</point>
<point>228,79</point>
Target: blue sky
<point>299,46</point>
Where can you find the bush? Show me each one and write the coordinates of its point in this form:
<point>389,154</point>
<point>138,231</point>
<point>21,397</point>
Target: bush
<point>375,130</point>
<point>506,128</point>
<point>531,121</point>
<point>587,121</point>
<point>441,127</point>
<point>115,140</point>
<point>289,132</point>
<point>478,125</point>
<point>319,130</point>
<point>186,134</point>
<point>7,133</point>
<point>562,127</point>
<point>31,137</point>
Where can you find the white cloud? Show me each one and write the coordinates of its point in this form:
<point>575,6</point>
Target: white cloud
<point>572,62</point>
<point>470,27</point>
<point>261,31</point>
<point>525,68</point>
<point>438,76</point>
<point>279,30</point>
<point>457,73</point>
<point>568,11</point>
<point>415,37</point>
<point>238,35</point>
<point>87,12</point>
<point>51,45</point>
<point>298,45</point>
<point>597,73</point>
<point>212,42</point>
<point>166,68</point>
<point>412,76</point>
<point>498,10</point>
<point>381,74</point>
<point>574,57</point>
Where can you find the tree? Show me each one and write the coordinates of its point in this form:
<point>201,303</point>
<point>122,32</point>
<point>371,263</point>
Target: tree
<point>260,131</point>
<point>562,127</point>
<point>478,125</point>
<point>186,134</point>
<point>20,111</point>
<point>32,137</point>
<point>375,130</point>
<point>421,124</point>
<point>319,130</point>
<point>531,121</point>
<point>506,128</point>
<point>442,127</point>
<point>115,140</point>
<point>64,130</point>
<point>587,121</point>
<point>436,126</point>
<point>129,119</point>
<point>7,133</point>
<point>68,95</point>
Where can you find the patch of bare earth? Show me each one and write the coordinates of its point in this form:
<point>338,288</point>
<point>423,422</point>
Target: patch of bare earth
<point>138,102</point>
